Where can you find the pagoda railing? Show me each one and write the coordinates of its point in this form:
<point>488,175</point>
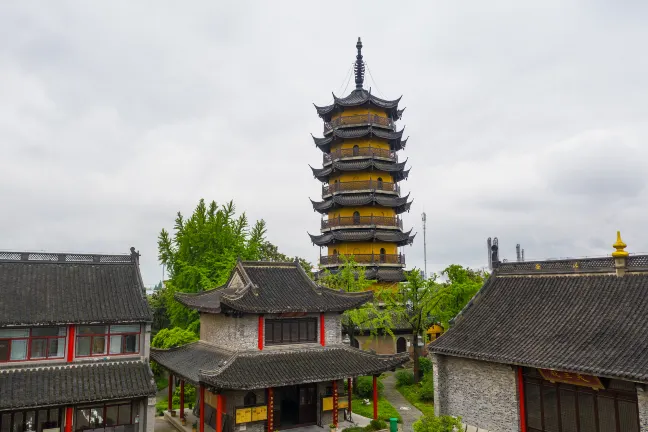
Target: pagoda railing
<point>360,152</point>
<point>360,185</point>
<point>350,221</point>
<point>359,120</point>
<point>364,259</point>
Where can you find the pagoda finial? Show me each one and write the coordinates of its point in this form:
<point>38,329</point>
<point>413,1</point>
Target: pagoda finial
<point>620,247</point>
<point>359,67</point>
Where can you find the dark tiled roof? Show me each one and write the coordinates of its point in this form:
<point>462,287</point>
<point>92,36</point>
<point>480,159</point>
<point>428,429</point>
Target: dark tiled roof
<point>275,367</point>
<point>391,236</point>
<point>394,138</point>
<point>70,289</point>
<point>377,273</point>
<point>272,287</point>
<point>572,315</point>
<point>359,97</point>
<point>71,384</point>
<point>188,360</point>
<point>399,204</point>
<point>396,169</point>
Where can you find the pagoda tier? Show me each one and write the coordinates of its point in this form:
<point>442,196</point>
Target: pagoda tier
<point>394,138</point>
<point>399,204</point>
<point>396,170</point>
<point>363,235</point>
<point>377,273</point>
<point>360,98</point>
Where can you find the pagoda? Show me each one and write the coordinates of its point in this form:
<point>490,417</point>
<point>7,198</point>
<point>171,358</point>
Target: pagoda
<point>360,176</point>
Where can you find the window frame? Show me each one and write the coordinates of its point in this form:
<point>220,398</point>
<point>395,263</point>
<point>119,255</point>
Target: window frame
<point>29,339</point>
<point>104,407</point>
<point>107,336</point>
<point>270,331</point>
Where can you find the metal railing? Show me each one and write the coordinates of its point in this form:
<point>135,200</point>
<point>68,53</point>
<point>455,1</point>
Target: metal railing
<point>359,120</point>
<point>360,152</point>
<point>359,185</point>
<point>345,221</point>
<point>378,258</point>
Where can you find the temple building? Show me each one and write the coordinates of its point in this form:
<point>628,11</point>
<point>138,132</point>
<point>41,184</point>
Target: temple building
<point>74,344</point>
<point>270,354</point>
<point>361,172</point>
<point>550,346</point>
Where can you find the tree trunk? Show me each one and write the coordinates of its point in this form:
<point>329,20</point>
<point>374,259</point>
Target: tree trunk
<point>415,357</point>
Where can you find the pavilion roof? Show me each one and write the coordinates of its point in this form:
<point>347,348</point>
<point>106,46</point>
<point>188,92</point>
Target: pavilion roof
<point>360,97</point>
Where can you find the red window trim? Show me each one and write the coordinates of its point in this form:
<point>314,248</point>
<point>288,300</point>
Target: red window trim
<point>107,336</point>
<point>29,340</point>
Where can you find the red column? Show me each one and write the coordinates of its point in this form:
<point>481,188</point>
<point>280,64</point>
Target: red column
<point>68,419</point>
<point>260,332</point>
<point>170,402</point>
<point>349,389</point>
<point>201,428</point>
<point>270,410</point>
<point>322,331</point>
<point>182,414</point>
<point>71,338</point>
<point>520,380</point>
<point>219,413</point>
<point>375,397</point>
<point>335,404</point>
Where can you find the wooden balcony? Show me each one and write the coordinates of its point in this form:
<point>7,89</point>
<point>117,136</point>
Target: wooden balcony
<point>373,152</point>
<point>374,259</point>
<point>359,120</point>
<point>354,221</point>
<point>360,185</point>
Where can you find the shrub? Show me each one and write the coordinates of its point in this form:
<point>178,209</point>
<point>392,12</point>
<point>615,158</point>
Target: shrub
<point>404,377</point>
<point>377,425</point>
<point>426,392</point>
<point>437,424</point>
<point>354,429</point>
<point>365,387</point>
<point>190,395</point>
<point>425,365</point>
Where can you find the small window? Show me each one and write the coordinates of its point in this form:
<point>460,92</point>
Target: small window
<point>356,217</point>
<point>380,183</point>
<point>291,331</point>
<point>356,150</point>
<point>383,255</point>
<point>249,399</point>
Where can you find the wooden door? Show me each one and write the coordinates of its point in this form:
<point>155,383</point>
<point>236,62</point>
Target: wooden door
<point>307,403</point>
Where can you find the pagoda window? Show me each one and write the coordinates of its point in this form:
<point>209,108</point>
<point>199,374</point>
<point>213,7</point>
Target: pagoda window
<point>356,217</point>
<point>356,150</point>
<point>38,343</point>
<point>380,183</point>
<point>383,255</point>
<point>100,340</point>
<point>290,331</point>
<point>250,399</point>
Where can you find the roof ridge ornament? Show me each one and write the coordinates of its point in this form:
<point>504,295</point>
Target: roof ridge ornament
<point>620,246</point>
<point>359,67</point>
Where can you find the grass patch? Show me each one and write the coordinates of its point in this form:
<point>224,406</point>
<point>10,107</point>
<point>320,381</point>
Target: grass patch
<point>411,393</point>
<point>163,404</point>
<point>385,409</point>
<point>161,382</point>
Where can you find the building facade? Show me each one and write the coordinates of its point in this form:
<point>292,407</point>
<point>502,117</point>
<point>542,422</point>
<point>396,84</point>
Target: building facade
<point>270,354</point>
<point>360,176</point>
<point>74,344</point>
<point>550,346</point>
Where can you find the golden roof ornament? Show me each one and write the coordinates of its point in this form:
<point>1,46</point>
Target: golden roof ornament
<point>620,247</point>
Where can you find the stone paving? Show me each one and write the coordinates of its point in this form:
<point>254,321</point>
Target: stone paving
<point>408,411</point>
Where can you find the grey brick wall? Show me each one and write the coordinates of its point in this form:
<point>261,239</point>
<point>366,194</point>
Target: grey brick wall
<point>483,394</point>
<point>235,334</point>
<point>333,328</point>
<point>235,399</point>
<point>642,398</point>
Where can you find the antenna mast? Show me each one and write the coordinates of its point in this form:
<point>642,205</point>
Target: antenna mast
<point>423,218</point>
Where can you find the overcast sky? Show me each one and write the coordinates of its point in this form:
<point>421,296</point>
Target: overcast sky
<point>527,120</point>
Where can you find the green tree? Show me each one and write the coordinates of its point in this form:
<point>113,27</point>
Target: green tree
<point>202,253</point>
<point>171,338</point>
<point>270,252</point>
<point>463,284</point>
<point>158,307</point>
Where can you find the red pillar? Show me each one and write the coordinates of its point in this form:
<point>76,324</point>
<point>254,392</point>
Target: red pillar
<point>182,414</point>
<point>270,410</point>
<point>520,380</point>
<point>68,419</point>
<point>335,404</point>
<point>219,413</point>
<point>70,342</point>
<point>260,332</point>
<point>375,397</point>
<point>170,387</point>
<point>201,428</point>
<point>349,389</point>
<point>322,331</point>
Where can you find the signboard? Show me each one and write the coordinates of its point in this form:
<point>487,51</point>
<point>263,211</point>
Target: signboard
<point>243,415</point>
<point>571,378</point>
<point>327,403</point>
<point>259,413</point>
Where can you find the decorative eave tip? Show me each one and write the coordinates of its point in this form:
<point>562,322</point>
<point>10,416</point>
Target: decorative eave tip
<point>620,247</point>
<point>359,66</point>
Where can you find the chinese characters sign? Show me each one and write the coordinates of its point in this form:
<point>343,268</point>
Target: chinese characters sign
<point>571,378</point>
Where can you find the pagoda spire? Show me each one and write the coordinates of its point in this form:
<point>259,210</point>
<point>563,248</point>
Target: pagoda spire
<point>359,67</point>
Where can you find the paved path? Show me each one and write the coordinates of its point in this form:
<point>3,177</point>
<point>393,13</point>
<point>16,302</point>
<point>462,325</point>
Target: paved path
<point>408,411</point>
<point>161,425</point>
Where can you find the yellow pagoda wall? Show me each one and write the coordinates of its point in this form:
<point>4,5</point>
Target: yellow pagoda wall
<point>360,110</point>
<point>362,143</point>
<point>362,175</point>
<point>355,248</point>
<point>364,211</point>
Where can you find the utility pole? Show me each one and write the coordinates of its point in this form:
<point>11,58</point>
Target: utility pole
<point>423,217</point>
